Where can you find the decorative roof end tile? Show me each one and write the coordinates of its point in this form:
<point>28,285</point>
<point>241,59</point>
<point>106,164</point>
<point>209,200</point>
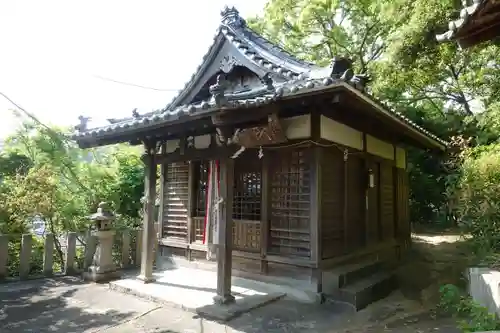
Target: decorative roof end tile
<point>83,125</point>
<point>217,90</point>
<point>347,75</point>
<point>339,66</point>
<point>268,81</point>
<point>231,17</point>
<point>360,81</point>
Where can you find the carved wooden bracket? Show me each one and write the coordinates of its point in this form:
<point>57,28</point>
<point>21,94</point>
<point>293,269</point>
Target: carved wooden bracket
<point>272,133</point>
<point>151,146</point>
<point>224,135</point>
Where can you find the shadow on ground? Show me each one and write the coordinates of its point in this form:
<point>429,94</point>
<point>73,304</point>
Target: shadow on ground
<point>49,306</point>
<point>67,305</point>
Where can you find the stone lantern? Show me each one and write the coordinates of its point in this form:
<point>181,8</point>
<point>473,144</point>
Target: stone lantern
<point>103,218</point>
<point>102,269</point>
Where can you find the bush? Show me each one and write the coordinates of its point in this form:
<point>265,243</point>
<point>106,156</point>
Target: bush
<point>477,199</point>
<point>471,316</point>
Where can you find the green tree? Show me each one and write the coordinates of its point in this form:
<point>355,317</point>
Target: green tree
<point>50,178</point>
<point>447,90</point>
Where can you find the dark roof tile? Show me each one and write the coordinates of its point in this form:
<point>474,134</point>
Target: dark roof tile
<point>465,14</point>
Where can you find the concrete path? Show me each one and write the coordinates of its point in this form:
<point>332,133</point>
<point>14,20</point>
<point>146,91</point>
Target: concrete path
<point>67,305</point>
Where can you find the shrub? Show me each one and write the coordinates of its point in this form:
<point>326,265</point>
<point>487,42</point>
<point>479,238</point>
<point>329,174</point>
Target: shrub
<point>477,199</point>
<point>471,316</point>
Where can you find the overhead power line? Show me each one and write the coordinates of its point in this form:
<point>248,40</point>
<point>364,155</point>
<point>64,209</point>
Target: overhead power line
<point>30,115</point>
<point>133,84</point>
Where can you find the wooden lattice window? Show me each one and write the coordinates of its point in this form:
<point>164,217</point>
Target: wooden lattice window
<point>176,201</point>
<point>200,188</point>
<point>247,192</point>
<point>290,203</point>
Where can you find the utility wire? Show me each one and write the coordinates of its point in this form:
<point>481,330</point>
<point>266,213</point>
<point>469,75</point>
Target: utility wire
<point>59,138</point>
<point>30,115</point>
<point>133,84</point>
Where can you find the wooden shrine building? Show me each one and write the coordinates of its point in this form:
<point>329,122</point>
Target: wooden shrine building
<point>292,170</point>
<point>479,22</point>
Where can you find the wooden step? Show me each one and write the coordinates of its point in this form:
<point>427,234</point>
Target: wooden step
<point>346,274</point>
<point>367,290</point>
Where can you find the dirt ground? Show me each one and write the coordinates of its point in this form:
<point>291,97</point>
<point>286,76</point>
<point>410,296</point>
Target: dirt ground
<point>434,259</point>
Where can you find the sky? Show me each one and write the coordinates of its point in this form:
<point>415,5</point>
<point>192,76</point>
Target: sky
<point>54,54</point>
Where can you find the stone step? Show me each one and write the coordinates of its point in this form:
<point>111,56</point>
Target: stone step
<point>367,290</point>
<point>344,275</point>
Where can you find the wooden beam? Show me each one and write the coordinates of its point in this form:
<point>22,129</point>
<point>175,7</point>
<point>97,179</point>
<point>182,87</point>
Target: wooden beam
<point>224,233</point>
<point>193,154</point>
<point>239,117</point>
<point>148,236</point>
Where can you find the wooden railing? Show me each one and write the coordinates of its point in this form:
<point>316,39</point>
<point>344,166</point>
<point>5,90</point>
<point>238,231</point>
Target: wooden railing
<point>28,256</point>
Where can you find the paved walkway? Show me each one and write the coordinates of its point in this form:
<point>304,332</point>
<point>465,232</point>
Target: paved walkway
<point>67,305</point>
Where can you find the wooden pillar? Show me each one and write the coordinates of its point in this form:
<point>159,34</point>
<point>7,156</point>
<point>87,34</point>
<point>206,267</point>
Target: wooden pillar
<point>366,205</point>
<point>224,233</point>
<point>163,178</point>
<point>148,234</point>
<point>265,213</point>
<point>315,213</point>
<point>190,209</point>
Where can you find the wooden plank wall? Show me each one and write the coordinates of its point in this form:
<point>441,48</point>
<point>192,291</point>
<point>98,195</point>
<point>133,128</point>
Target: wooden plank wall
<point>373,215</point>
<point>347,226</point>
<point>386,191</point>
<point>332,211</point>
<point>403,230</point>
<point>356,187</point>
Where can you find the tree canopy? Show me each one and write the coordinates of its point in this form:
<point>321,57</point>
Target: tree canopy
<point>450,91</point>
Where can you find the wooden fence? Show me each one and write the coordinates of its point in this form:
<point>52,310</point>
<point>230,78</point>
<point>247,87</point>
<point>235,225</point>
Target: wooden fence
<point>28,256</point>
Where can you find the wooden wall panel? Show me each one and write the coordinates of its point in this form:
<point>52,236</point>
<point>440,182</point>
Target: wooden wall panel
<point>246,235</point>
<point>332,208</point>
<point>379,147</point>
<point>373,222</point>
<point>402,202</point>
<point>356,187</point>
<point>175,214</point>
<point>334,131</point>
<point>386,201</point>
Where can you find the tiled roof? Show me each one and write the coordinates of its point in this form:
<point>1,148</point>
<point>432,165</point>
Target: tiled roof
<point>251,45</point>
<point>299,77</point>
<point>470,8</point>
<point>293,88</point>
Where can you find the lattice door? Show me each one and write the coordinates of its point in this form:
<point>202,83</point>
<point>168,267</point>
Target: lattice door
<point>290,203</point>
<point>176,202</point>
<point>247,197</point>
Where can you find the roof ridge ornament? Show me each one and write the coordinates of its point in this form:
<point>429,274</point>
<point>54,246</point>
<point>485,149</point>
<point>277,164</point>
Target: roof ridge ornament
<point>360,81</point>
<point>268,81</point>
<point>135,114</point>
<point>83,125</point>
<point>340,66</point>
<point>217,90</point>
<point>230,16</point>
